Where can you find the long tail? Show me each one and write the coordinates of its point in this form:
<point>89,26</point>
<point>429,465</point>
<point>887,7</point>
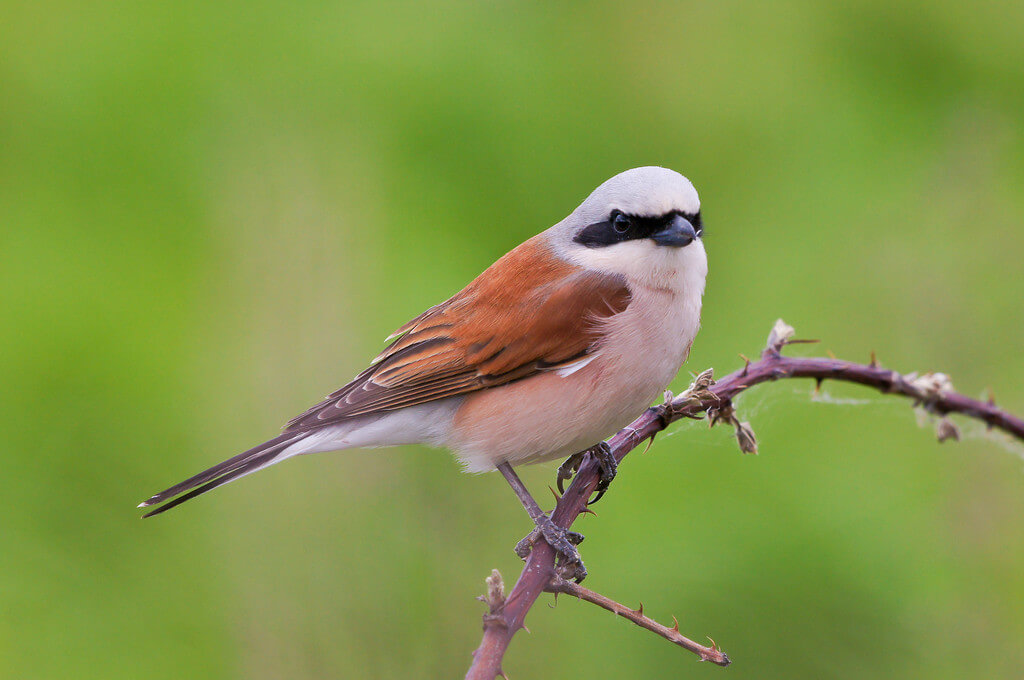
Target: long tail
<point>249,461</point>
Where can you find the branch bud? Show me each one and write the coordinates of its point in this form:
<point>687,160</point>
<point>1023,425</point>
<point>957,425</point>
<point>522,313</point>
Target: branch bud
<point>702,382</point>
<point>930,386</point>
<point>696,396</point>
<point>723,413</point>
<point>946,429</point>
<point>745,437</point>
<point>781,332</point>
<point>494,598</point>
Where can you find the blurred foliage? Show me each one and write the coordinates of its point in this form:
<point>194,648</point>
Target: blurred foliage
<point>212,213</point>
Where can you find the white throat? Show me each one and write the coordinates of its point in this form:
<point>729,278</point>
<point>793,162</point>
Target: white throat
<point>644,263</point>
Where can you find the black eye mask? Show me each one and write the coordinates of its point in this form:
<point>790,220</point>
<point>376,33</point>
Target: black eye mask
<point>621,227</point>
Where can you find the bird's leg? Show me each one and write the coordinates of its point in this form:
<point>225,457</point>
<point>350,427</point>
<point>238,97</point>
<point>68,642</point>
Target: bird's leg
<point>562,540</point>
<point>607,467</point>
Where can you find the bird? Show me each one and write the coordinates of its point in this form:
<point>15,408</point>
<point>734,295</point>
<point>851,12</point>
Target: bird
<point>560,343</point>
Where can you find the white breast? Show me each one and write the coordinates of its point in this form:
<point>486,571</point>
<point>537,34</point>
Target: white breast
<point>553,415</point>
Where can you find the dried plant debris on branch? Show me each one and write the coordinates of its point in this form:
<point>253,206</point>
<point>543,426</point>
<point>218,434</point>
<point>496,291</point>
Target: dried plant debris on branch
<point>932,393</point>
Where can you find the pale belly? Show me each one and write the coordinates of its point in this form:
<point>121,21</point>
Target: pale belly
<point>550,416</point>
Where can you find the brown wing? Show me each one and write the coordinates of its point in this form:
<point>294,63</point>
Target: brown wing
<point>514,320</point>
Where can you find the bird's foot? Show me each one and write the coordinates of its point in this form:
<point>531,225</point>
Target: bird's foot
<point>608,466</point>
<point>569,564</point>
<point>568,469</point>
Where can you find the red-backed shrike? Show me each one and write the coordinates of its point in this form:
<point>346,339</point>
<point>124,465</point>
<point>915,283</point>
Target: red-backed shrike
<point>557,345</point>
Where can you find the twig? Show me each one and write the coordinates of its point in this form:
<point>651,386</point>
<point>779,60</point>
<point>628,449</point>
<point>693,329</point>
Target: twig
<point>931,391</point>
<point>712,653</point>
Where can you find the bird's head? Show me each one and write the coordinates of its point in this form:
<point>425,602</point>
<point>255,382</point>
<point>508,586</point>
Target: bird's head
<point>644,224</point>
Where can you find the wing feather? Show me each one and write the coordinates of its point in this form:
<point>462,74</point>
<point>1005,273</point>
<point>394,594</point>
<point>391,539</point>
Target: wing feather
<point>516,319</point>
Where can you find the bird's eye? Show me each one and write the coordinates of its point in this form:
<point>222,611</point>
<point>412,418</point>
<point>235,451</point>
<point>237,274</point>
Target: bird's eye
<point>621,223</point>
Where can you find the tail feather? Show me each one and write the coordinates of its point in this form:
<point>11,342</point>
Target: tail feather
<point>222,473</point>
<point>251,466</point>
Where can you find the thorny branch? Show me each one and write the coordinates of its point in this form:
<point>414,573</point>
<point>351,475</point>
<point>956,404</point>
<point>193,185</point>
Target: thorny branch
<point>931,391</point>
<point>712,653</point>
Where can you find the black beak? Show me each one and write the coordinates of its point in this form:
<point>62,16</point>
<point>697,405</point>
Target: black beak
<point>677,233</point>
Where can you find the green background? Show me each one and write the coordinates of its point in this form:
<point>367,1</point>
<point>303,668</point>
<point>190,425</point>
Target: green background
<point>211,214</point>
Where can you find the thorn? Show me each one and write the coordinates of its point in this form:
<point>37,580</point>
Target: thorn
<point>830,354</point>
<point>800,341</point>
<point>874,360</point>
<point>817,384</point>
<point>554,493</point>
<point>714,648</point>
<point>650,443</point>
<point>588,511</point>
<point>527,630</point>
<point>746,364</point>
<point>675,625</point>
<point>991,400</point>
<point>501,673</point>
<point>640,611</point>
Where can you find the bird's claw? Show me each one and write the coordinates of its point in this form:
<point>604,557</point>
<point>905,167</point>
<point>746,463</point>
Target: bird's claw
<point>569,468</point>
<point>563,541</point>
<point>607,467</point>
